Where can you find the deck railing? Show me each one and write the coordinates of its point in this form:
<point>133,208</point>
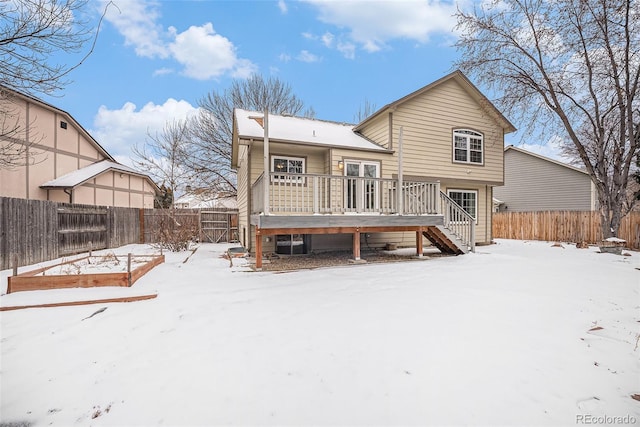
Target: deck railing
<point>458,221</point>
<point>337,194</point>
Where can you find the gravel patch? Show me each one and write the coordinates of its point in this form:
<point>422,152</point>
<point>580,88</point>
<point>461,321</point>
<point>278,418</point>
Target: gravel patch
<point>275,262</point>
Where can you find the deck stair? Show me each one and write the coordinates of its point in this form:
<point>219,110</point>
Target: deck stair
<point>445,241</point>
<point>457,235</point>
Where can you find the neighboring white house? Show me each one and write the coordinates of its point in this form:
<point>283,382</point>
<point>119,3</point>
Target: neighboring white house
<point>536,183</point>
<point>202,199</point>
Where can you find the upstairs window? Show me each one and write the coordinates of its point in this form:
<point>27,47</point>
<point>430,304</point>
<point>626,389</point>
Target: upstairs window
<point>468,147</point>
<point>284,164</point>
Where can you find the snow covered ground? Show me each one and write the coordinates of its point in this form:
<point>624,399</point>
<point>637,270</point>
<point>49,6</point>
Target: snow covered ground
<point>500,337</point>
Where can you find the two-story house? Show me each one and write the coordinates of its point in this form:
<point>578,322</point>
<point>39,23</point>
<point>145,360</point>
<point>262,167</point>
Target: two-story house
<point>58,160</point>
<point>423,166</point>
<point>536,183</point>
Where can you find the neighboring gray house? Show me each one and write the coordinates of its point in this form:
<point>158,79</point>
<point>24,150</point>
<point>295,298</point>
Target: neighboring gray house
<point>536,183</point>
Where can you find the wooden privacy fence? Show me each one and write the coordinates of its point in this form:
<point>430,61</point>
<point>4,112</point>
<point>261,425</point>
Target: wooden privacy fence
<point>214,226</point>
<point>564,226</point>
<point>36,230</point>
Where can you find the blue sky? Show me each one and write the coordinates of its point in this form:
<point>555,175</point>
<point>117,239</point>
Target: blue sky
<point>154,60</point>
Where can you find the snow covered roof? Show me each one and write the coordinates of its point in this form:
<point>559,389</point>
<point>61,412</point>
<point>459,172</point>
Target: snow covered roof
<point>302,130</point>
<point>80,176</point>
<point>206,201</point>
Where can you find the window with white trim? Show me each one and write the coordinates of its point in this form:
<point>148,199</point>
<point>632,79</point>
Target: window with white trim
<point>468,147</point>
<point>286,164</point>
<point>467,199</point>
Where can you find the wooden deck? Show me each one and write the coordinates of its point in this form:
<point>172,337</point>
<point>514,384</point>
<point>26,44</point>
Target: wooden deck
<point>344,221</point>
<point>331,204</point>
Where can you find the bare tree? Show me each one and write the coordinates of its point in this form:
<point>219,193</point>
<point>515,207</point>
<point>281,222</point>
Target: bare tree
<point>162,155</point>
<point>31,33</point>
<point>366,109</point>
<point>571,69</point>
<point>209,154</point>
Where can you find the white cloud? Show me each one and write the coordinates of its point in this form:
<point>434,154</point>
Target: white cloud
<point>136,21</point>
<point>348,49</point>
<point>202,52</point>
<point>327,39</point>
<point>206,54</point>
<point>371,26</point>
<point>284,57</point>
<point>306,56</point>
<point>121,129</point>
<point>282,6</point>
<point>163,71</point>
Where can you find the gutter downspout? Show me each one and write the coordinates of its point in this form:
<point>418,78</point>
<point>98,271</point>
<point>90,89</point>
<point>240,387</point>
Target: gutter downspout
<point>69,191</point>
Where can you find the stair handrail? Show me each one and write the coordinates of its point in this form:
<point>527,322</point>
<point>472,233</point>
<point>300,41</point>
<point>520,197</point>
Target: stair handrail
<point>458,221</point>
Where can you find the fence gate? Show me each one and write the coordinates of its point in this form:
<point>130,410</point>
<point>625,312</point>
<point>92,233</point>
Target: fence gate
<point>82,227</point>
<point>219,226</point>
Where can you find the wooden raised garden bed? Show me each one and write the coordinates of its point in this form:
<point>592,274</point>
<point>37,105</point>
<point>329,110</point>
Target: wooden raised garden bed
<point>77,273</point>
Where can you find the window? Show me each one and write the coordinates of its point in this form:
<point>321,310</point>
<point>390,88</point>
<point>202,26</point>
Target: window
<point>292,244</point>
<point>467,147</point>
<point>467,199</point>
<point>285,164</point>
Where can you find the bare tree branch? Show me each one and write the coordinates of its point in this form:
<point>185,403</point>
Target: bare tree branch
<point>31,33</point>
<point>162,154</point>
<point>209,155</point>
<point>568,69</point>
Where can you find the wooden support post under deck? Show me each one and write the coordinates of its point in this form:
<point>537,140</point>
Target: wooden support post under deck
<point>356,245</point>
<point>258,249</point>
<point>419,249</point>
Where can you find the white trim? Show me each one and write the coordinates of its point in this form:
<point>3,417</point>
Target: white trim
<point>460,190</point>
<point>360,202</point>
<point>287,158</point>
<point>467,134</point>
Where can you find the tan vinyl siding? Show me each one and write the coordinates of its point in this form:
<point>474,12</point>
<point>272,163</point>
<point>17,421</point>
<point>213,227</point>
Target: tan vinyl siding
<point>243,200</point>
<point>484,206</point>
<point>57,151</point>
<point>428,122</point>
<point>535,184</point>
<point>378,130</point>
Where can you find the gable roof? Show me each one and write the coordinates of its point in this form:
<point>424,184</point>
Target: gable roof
<point>80,176</point>
<point>6,93</point>
<point>299,130</point>
<point>547,159</point>
<point>465,83</point>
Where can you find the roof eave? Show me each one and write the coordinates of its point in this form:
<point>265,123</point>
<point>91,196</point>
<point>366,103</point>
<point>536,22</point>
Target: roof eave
<point>68,116</point>
<point>466,84</point>
<point>315,144</point>
<point>541,157</point>
<point>66,187</point>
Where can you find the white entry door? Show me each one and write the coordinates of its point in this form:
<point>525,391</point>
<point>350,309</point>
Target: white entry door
<point>361,186</point>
